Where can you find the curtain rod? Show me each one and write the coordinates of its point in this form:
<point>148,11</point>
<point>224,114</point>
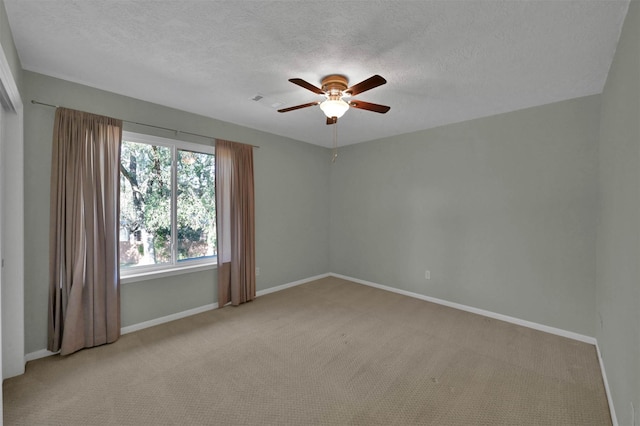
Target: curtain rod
<point>143,124</point>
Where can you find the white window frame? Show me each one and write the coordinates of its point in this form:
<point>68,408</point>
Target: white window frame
<point>147,272</point>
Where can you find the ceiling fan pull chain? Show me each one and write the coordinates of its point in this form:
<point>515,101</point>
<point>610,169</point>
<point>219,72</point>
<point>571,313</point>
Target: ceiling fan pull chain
<point>334,155</point>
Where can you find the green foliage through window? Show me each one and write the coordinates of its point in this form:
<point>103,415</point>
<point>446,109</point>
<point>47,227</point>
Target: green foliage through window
<point>166,191</point>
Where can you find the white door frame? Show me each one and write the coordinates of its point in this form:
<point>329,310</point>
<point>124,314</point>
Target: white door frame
<point>12,346</point>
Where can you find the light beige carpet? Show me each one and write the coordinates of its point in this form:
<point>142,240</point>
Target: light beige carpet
<point>329,352</point>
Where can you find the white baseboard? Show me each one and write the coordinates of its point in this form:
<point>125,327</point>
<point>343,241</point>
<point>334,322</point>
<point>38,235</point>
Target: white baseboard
<point>210,307</point>
<point>614,419</point>
<point>517,321</point>
<point>157,321</point>
<point>541,327</point>
<point>178,315</point>
<point>42,353</point>
<point>506,318</point>
<point>289,285</point>
<point>168,318</point>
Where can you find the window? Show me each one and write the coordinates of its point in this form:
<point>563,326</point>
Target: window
<point>167,204</point>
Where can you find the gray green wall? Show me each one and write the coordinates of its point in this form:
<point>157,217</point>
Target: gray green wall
<point>292,203</point>
<point>501,210</point>
<point>617,293</point>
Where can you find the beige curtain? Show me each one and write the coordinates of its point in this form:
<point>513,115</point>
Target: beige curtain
<point>235,223</point>
<point>84,284</point>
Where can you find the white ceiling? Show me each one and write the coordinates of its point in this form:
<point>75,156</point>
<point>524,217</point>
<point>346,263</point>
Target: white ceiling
<point>445,61</point>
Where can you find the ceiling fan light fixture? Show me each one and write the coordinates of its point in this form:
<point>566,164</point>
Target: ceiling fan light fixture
<point>334,108</point>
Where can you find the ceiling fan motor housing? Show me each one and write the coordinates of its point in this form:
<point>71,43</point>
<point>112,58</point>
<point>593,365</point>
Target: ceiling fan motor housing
<point>334,85</point>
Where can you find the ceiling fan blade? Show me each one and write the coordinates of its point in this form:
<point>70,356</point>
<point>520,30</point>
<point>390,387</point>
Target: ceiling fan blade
<point>369,106</point>
<point>332,120</point>
<point>365,85</point>
<point>300,82</point>
<point>298,107</point>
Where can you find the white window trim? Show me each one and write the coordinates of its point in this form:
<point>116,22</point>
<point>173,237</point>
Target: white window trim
<point>143,273</point>
<point>136,276</point>
<point>157,140</point>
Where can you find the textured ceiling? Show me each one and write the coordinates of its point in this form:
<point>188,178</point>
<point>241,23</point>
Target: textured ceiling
<point>445,61</point>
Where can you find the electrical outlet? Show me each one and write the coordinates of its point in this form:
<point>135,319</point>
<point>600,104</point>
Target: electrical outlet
<point>427,275</point>
<point>257,271</point>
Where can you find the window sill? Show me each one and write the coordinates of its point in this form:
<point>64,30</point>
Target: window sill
<point>152,275</point>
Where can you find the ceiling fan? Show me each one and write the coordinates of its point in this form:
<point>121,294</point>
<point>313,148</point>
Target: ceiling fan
<point>335,88</point>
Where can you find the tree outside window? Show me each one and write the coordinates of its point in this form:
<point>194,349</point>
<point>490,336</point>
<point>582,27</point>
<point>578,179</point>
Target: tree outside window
<point>167,203</point>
